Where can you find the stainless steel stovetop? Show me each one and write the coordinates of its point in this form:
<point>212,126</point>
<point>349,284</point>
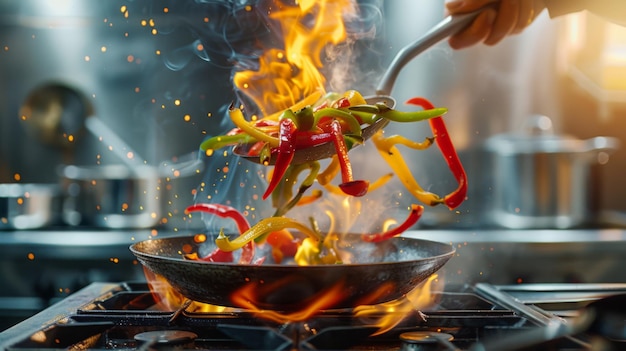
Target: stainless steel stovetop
<point>122,316</point>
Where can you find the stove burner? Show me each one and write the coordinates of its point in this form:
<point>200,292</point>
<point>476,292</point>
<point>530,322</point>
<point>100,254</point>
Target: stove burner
<point>473,317</point>
<point>166,337</point>
<point>426,340</point>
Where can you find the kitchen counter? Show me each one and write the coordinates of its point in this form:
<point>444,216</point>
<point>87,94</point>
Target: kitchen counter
<point>111,238</point>
<point>500,256</point>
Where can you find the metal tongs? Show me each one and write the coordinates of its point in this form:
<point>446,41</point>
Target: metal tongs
<point>447,27</point>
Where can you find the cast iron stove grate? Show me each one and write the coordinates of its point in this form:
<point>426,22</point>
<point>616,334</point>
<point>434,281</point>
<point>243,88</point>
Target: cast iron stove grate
<point>123,317</point>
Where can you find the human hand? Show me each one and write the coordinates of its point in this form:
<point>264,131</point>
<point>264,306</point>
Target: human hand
<point>495,22</point>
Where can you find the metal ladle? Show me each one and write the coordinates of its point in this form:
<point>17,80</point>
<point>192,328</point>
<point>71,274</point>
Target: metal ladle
<point>448,26</point>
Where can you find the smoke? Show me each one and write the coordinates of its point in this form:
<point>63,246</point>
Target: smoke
<point>353,64</point>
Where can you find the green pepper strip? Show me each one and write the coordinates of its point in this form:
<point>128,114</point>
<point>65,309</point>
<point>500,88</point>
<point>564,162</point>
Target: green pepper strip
<point>218,142</point>
<point>414,116</point>
<point>353,124</point>
<point>349,185</point>
<point>304,118</point>
<point>286,152</point>
<point>391,154</point>
<point>264,226</point>
<point>438,126</point>
<point>370,113</point>
<point>224,211</point>
<point>284,190</point>
<point>414,216</point>
<point>314,168</point>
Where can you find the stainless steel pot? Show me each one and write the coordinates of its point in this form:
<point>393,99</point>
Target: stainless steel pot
<point>29,206</point>
<point>125,195</point>
<point>111,196</point>
<point>541,179</point>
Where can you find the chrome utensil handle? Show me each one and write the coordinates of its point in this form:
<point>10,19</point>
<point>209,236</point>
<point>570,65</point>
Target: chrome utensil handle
<point>448,26</point>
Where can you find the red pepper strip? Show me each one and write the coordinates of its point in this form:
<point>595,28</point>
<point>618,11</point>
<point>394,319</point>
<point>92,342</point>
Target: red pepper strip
<point>341,102</point>
<point>218,256</point>
<point>283,245</point>
<point>224,211</point>
<point>255,149</point>
<point>349,185</point>
<point>310,139</point>
<point>442,138</point>
<point>286,151</point>
<point>265,123</point>
<point>414,216</point>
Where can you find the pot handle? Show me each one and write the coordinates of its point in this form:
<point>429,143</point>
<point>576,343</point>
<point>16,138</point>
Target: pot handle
<point>187,165</point>
<point>602,144</point>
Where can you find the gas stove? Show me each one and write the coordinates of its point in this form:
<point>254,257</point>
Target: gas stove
<point>481,316</point>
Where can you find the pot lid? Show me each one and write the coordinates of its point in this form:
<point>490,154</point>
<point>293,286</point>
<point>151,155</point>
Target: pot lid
<point>538,137</point>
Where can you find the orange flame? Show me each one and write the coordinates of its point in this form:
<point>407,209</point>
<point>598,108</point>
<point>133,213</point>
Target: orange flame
<point>393,312</point>
<point>168,299</point>
<point>287,75</point>
<point>246,297</point>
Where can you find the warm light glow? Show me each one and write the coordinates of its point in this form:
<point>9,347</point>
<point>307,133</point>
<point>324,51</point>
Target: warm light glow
<point>575,31</point>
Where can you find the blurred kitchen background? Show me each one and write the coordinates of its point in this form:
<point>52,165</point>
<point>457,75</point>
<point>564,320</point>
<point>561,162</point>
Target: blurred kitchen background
<point>139,84</point>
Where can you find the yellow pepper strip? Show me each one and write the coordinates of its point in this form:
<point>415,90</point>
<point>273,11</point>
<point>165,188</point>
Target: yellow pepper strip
<point>399,139</point>
<point>264,226</point>
<point>236,115</point>
<point>333,189</point>
<point>308,199</point>
<point>307,101</point>
<point>391,154</point>
<point>330,172</point>
<point>309,253</point>
<point>354,97</point>
<point>380,181</point>
<point>317,252</point>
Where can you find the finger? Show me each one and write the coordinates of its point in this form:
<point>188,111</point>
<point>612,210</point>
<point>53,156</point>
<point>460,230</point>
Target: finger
<point>463,6</point>
<point>505,21</point>
<point>525,16</point>
<point>477,32</point>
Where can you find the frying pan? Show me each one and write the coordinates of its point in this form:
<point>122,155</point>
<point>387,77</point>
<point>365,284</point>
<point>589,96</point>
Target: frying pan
<point>380,272</point>
<point>446,27</point>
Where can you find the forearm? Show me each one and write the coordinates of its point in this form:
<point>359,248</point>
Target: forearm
<point>612,10</point>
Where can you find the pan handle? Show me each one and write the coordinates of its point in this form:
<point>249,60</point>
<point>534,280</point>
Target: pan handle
<point>448,26</point>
